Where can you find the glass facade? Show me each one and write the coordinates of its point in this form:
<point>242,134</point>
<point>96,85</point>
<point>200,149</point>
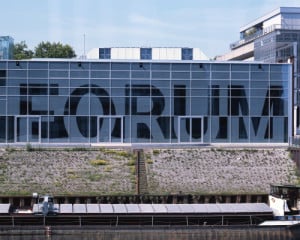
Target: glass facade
<point>282,46</point>
<point>143,102</point>
<point>6,47</point>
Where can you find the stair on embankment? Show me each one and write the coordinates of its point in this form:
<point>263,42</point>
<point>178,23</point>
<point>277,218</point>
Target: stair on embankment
<point>141,174</point>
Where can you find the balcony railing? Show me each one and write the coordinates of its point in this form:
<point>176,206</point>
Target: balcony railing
<point>262,32</point>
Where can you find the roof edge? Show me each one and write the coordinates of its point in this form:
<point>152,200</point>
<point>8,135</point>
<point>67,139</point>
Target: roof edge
<point>269,15</point>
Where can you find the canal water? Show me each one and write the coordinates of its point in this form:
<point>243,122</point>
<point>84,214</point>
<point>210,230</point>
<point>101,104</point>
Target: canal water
<point>210,233</point>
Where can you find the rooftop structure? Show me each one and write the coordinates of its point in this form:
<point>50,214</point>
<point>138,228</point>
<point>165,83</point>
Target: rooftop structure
<point>147,53</point>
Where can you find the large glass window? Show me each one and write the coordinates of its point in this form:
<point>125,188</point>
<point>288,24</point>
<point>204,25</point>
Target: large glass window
<point>59,65</point>
<point>104,53</point>
<point>38,65</point>
<point>161,66</point>
<point>3,129</point>
<point>187,54</point>
<point>146,53</point>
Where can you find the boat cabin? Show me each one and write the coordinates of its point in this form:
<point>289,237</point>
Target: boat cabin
<point>285,199</point>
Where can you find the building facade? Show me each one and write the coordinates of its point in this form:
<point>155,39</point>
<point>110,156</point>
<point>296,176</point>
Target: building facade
<point>6,47</point>
<point>134,102</point>
<point>273,38</point>
<point>269,38</point>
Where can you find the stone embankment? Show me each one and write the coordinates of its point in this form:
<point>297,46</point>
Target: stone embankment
<point>169,171</point>
<point>66,172</point>
<point>210,171</point>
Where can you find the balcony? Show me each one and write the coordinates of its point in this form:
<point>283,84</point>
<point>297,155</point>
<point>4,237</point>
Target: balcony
<point>252,37</point>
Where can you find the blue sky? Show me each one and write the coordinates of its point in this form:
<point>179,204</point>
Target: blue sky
<point>210,25</point>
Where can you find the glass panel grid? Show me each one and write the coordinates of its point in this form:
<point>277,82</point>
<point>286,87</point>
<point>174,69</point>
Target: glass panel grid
<point>153,103</point>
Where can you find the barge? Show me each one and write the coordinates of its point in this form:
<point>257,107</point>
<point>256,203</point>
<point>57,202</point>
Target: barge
<point>282,210</point>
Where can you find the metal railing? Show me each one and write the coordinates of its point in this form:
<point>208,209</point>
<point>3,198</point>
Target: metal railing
<point>110,221</point>
<point>262,32</point>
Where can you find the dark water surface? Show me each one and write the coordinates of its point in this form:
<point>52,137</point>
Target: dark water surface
<point>210,233</point>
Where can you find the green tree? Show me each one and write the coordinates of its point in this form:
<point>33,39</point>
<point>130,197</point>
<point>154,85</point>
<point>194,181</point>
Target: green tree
<point>54,50</point>
<point>21,51</point>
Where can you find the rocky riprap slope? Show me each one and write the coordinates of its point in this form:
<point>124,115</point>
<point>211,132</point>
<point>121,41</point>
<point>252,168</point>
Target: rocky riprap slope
<point>205,171</point>
<point>103,171</point>
<point>112,171</point>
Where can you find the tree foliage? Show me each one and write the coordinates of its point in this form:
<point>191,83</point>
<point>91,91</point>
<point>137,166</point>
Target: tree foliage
<point>21,51</point>
<point>43,50</point>
<point>54,50</point>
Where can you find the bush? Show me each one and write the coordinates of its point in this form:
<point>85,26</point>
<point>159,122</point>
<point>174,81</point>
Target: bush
<point>149,161</point>
<point>98,162</point>
<point>116,152</point>
<point>9,149</point>
<point>124,154</point>
<point>131,162</point>
<point>108,169</point>
<point>94,177</point>
<point>29,147</point>
<point>155,152</point>
<point>132,170</point>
